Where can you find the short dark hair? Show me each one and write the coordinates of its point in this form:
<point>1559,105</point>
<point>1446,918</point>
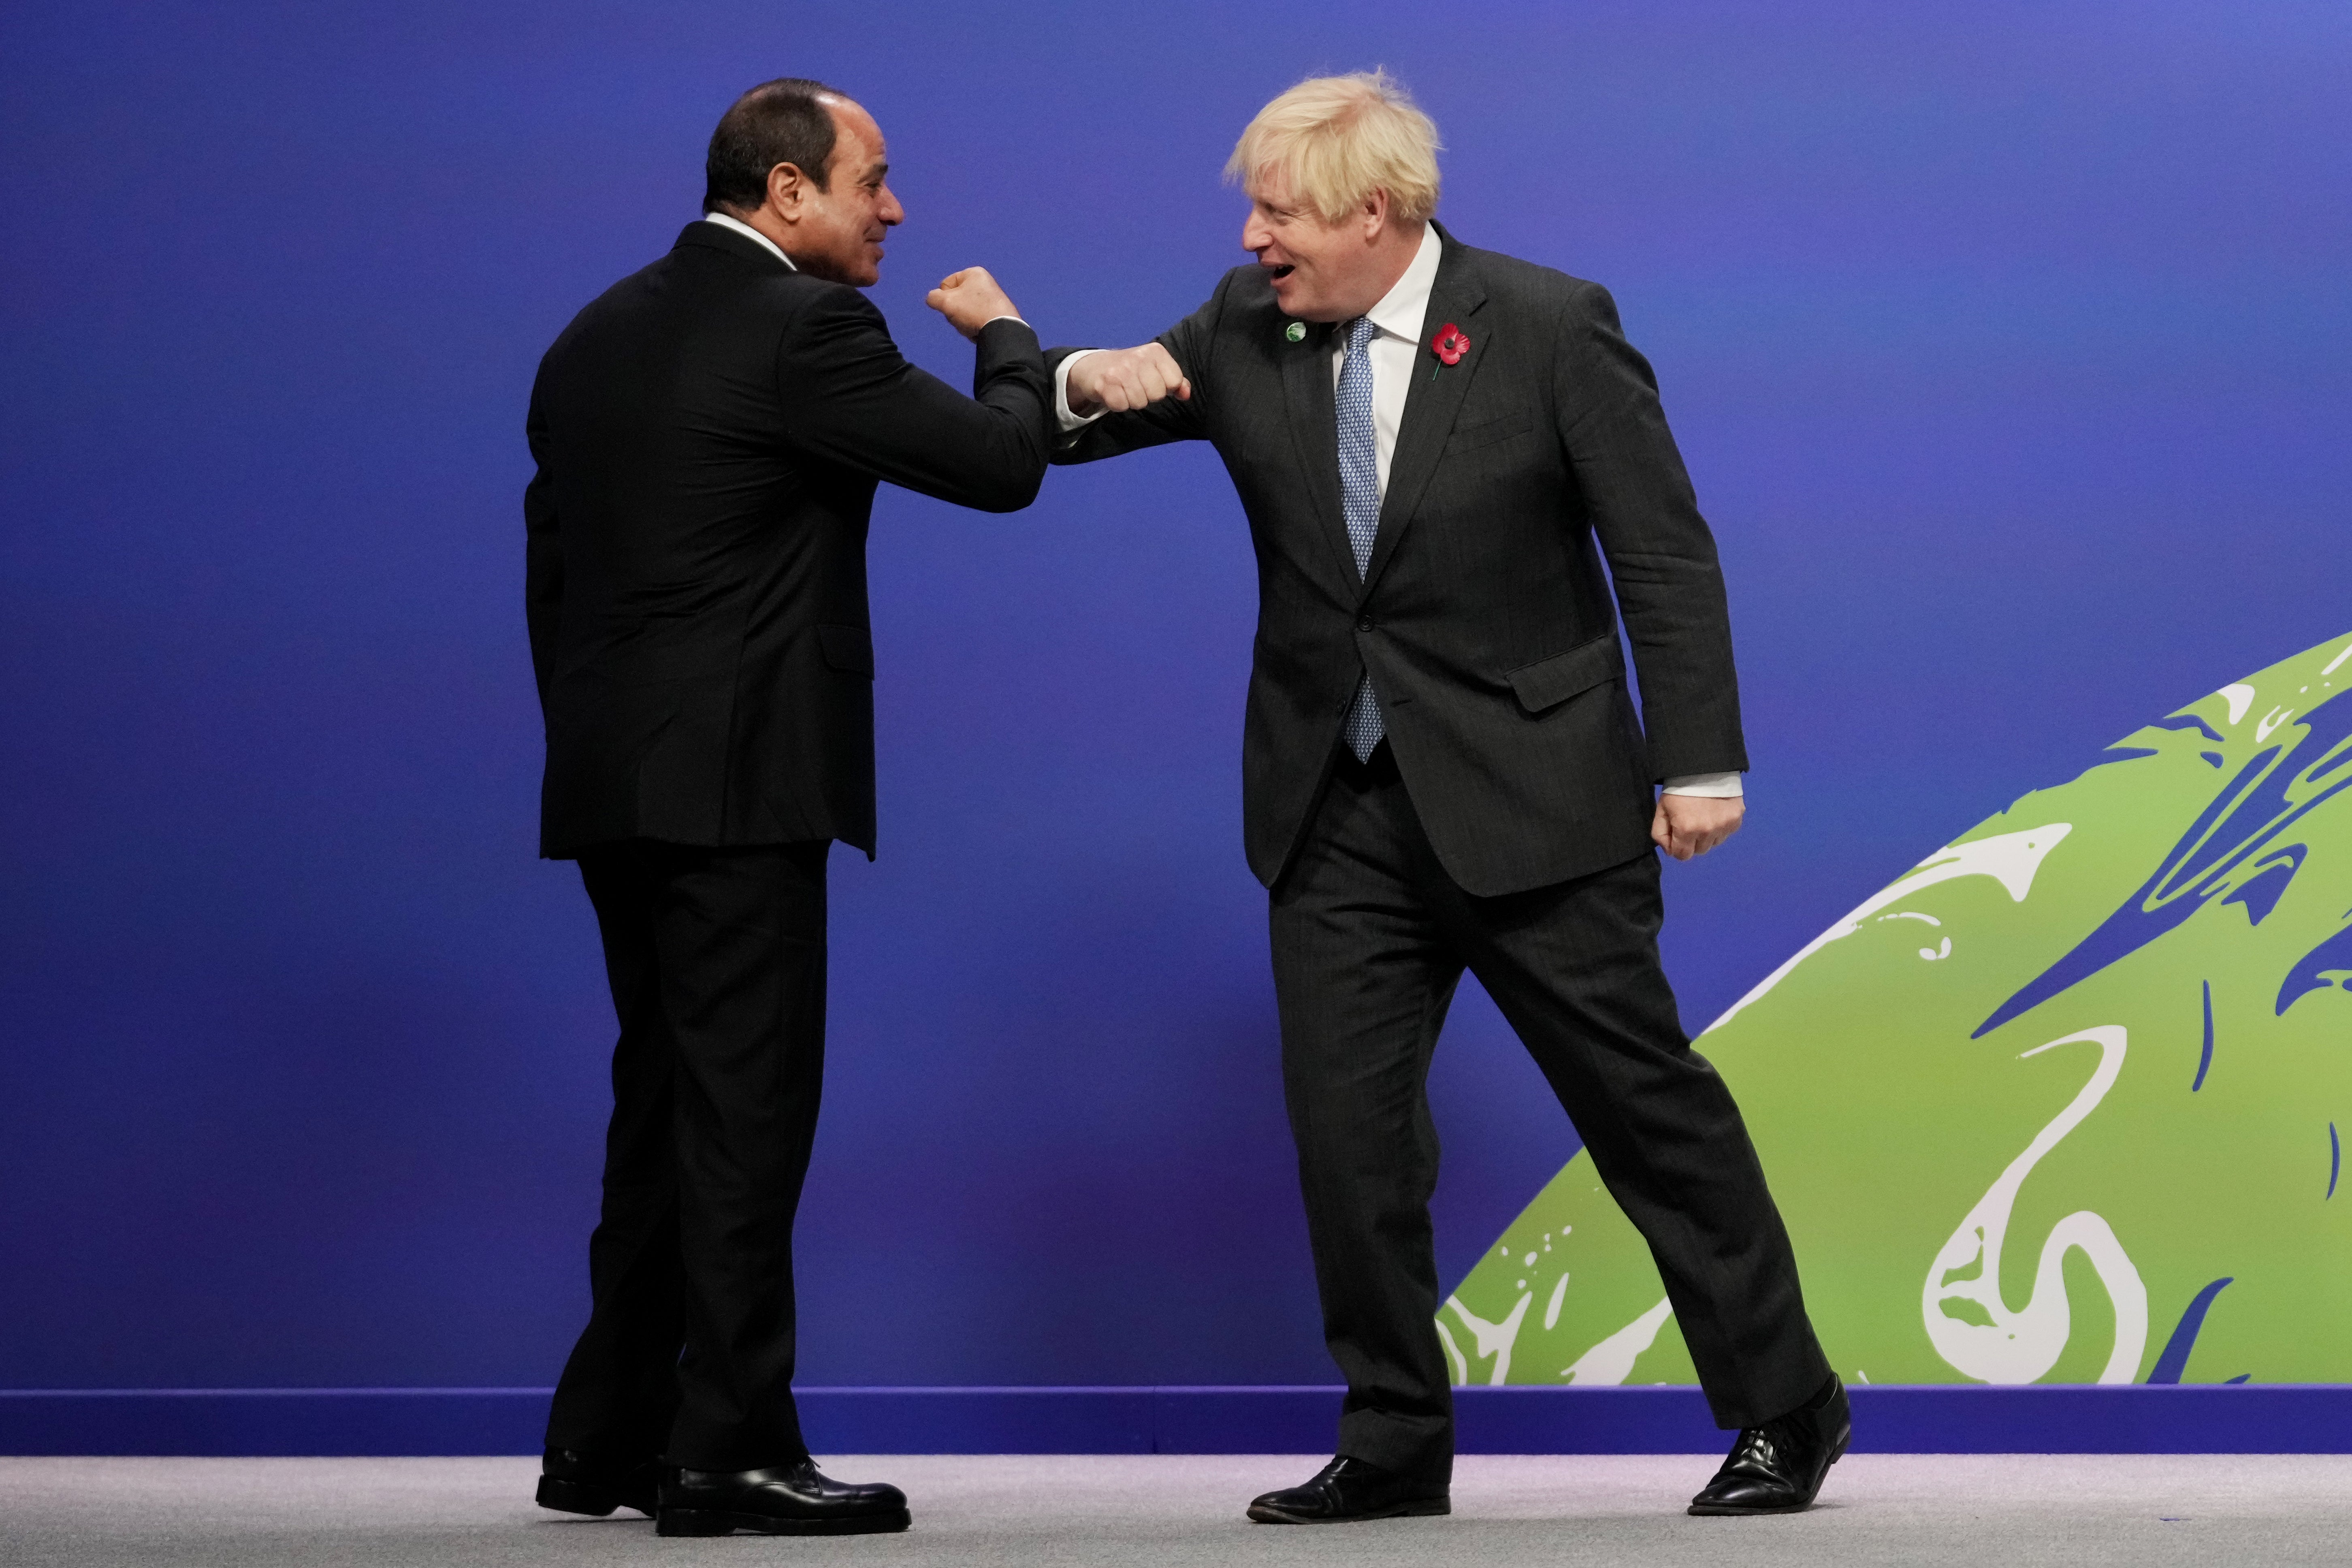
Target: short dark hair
<point>779,122</point>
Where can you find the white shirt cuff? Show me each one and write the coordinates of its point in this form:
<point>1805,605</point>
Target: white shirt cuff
<point>1062,394</point>
<point>1721,786</point>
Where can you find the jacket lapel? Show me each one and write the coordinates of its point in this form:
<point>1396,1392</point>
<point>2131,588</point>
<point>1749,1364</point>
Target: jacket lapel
<point>1431,403</point>
<point>1315,427</point>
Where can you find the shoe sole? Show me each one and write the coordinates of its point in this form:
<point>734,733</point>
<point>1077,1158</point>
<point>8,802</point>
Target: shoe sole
<point>1419,1508</point>
<point>1708,1510</point>
<point>584,1497</point>
<point>717,1522</point>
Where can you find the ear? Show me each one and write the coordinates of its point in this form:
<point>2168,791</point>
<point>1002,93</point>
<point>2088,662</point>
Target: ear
<point>1374,212</point>
<point>788,191</point>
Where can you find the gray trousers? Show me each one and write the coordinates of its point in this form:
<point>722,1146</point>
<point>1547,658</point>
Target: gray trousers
<point>1369,939</point>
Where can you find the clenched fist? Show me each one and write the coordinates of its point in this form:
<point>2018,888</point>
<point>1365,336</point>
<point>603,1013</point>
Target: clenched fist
<point>1689,825</point>
<point>969,299</point>
<point>1112,381</point>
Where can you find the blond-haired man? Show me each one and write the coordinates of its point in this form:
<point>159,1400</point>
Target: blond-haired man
<point>1438,448</point>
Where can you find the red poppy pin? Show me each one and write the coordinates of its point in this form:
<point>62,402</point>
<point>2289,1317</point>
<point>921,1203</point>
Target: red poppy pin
<point>1450,343</point>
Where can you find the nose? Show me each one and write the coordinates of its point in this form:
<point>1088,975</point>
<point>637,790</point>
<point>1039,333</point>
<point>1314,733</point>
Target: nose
<point>1256,235</point>
<point>890,211</point>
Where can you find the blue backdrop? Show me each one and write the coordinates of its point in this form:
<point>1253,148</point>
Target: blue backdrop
<point>2009,344</point>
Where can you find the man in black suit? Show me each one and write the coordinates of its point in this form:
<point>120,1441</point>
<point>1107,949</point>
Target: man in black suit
<point>1438,448</point>
<point>708,433</point>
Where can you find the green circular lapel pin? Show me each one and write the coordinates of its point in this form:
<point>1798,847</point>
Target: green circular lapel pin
<point>1296,331</point>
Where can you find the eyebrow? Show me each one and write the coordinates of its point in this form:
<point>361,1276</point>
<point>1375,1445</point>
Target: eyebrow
<point>878,171</point>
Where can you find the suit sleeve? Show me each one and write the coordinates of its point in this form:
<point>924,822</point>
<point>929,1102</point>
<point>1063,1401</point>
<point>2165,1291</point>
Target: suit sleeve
<point>1171,419</point>
<point>543,589</point>
<point>850,397</point>
<point>1661,555</point>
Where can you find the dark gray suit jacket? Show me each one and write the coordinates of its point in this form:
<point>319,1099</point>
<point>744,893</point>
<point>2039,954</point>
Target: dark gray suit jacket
<point>708,435</point>
<point>1486,619</point>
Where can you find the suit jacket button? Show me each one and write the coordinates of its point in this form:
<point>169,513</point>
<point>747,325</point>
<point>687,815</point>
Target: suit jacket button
<point>1364,623</point>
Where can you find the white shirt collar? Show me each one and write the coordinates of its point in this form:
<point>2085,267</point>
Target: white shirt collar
<point>1403,308</point>
<point>740,227</point>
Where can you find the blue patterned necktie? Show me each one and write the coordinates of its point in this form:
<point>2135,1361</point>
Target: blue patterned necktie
<point>1359,490</point>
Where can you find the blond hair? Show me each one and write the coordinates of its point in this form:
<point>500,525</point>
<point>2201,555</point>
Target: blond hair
<point>1335,139</point>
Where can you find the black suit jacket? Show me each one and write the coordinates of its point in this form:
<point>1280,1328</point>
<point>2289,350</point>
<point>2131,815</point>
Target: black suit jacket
<point>1486,619</point>
<point>709,435</point>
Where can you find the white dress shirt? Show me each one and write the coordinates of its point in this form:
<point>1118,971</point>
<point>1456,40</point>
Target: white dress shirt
<point>748,232</point>
<point>1395,351</point>
<point>1394,347</point>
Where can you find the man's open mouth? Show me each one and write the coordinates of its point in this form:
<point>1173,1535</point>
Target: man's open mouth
<point>1281,272</point>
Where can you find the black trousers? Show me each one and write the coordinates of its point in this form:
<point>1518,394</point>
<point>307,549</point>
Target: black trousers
<point>716,960</point>
<point>1369,939</point>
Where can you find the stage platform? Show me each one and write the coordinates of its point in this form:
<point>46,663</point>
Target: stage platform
<point>1140,1510</point>
<point>304,1422</point>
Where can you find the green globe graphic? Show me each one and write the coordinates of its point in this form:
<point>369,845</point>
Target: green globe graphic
<point>2065,1103</point>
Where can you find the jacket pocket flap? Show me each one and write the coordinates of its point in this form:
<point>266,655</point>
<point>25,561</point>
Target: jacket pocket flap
<point>1486,432</point>
<point>1548,682</point>
<point>849,648</point>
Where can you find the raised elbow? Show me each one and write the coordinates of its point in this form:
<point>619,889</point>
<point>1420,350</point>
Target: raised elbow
<point>1015,491</point>
<point>1018,478</point>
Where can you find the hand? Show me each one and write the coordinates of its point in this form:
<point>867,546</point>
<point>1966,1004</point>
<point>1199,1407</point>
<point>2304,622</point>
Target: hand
<point>1691,825</point>
<point>969,299</point>
<point>1113,381</point>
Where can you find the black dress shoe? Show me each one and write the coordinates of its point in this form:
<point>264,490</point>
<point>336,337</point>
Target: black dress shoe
<point>573,1482</point>
<point>1347,1489</point>
<point>783,1499</point>
<point>1778,1467</point>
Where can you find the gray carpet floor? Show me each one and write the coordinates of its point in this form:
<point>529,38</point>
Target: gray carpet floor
<point>1137,1512</point>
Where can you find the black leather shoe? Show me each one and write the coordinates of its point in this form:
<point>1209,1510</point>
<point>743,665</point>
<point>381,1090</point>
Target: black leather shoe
<point>782,1499</point>
<point>1778,1468</point>
<point>573,1482</point>
<point>1347,1489</point>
